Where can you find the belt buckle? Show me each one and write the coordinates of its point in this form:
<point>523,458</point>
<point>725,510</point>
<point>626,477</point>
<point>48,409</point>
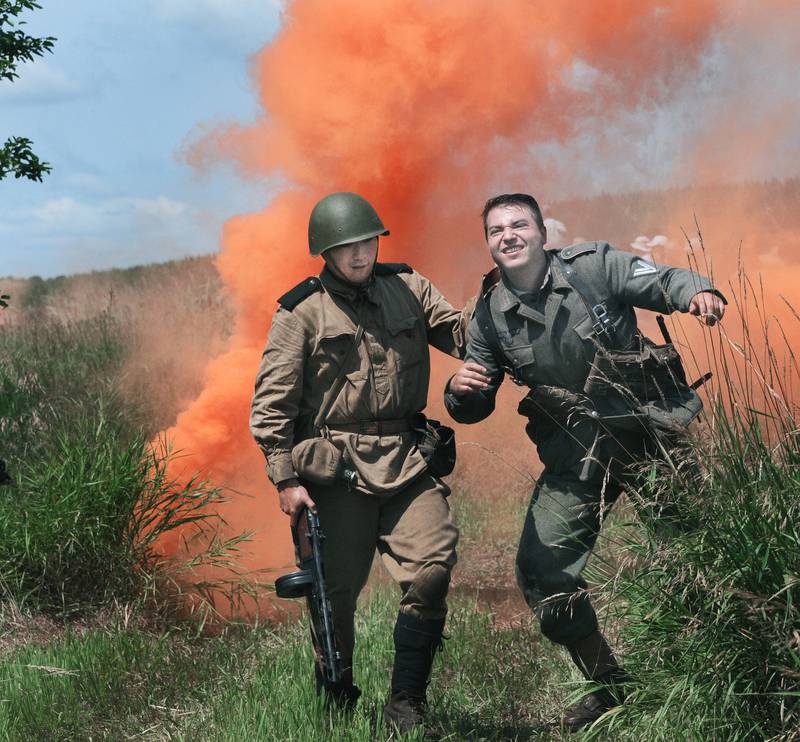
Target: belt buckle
<point>370,428</point>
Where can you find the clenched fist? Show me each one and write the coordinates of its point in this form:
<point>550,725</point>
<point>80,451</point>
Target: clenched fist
<point>293,497</point>
<point>707,307</point>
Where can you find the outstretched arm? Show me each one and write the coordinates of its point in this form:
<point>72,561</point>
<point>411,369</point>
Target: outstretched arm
<point>445,325</point>
<point>660,288</point>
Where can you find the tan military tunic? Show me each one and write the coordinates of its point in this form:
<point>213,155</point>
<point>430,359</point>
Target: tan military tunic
<point>387,379</point>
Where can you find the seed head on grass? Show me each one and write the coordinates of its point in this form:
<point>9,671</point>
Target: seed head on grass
<point>710,610</point>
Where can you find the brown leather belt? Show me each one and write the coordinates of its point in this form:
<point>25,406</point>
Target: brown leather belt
<point>373,427</point>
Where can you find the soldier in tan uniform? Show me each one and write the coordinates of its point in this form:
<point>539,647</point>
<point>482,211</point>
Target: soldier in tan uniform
<point>545,322</point>
<point>371,323</point>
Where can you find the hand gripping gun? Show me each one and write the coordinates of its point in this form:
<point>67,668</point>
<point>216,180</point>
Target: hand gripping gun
<point>309,582</point>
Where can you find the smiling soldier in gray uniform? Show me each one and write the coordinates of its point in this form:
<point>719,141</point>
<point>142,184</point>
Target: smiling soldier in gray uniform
<point>341,386</point>
<point>552,320</point>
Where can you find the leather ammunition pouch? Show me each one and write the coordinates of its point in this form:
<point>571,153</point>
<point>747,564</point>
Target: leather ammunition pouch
<point>642,386</point>
<point>436,443</point>
<point>631,390</point>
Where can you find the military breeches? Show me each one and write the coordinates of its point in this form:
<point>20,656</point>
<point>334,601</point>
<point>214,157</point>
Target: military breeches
<point>561,527</point>
<point>414,535</point>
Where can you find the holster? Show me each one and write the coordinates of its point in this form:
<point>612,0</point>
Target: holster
<point>436,443</point>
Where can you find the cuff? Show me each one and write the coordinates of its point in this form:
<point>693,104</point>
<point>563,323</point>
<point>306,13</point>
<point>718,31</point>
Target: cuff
<point>280,467</point>
<point>710,290</point>
<point>471,408</point>
<point>697,286</point>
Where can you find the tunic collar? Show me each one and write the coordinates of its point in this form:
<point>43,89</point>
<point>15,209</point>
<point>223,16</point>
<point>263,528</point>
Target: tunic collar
<point>349,291</point>
<point>509,297</point>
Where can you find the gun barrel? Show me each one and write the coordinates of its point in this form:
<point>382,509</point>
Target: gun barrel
<point>331,657</point>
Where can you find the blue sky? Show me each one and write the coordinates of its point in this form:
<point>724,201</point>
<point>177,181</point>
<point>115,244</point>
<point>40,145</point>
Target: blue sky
<point>128,83</point>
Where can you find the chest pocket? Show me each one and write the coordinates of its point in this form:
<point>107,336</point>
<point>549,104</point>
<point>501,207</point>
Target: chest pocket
<point>331,351</point>
<point>523,360</point>
<point>407,340</point>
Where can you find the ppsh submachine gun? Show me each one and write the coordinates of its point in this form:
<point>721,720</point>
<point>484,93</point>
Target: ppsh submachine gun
<point>309,583</point>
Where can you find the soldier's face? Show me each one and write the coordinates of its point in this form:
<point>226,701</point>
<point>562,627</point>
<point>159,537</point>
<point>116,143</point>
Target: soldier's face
<point>513,236</point>
<point>354,261</point>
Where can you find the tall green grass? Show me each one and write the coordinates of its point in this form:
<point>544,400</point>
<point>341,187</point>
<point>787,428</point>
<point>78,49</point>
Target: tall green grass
<point>89,496</point>
<point>711,617</point>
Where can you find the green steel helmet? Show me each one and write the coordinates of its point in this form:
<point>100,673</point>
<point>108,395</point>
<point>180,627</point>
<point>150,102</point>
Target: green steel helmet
<point>341,218</point>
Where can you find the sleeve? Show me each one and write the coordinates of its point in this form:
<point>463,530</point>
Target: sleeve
<point>446,326</point>
<point>278,389</point>
<point>660,288</point>
<point>476,406</point>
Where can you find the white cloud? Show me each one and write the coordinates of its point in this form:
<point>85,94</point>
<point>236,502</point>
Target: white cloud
<point>158,209</point>
<point>39,82</point>
<point>556,232</point>
<point>249,21</point>
<point>582,76</point>
<point>67,216</point>
<point>68,234</point>
<point>88,182</point>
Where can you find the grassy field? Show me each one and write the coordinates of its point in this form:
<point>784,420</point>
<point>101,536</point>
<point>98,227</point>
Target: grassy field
<point>93,648</point>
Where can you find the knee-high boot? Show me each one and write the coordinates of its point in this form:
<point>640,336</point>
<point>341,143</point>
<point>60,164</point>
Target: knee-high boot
<point>596,661</point>
<point>415,643</point>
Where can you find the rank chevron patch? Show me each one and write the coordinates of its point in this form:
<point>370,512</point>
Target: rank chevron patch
<point>641,268</point>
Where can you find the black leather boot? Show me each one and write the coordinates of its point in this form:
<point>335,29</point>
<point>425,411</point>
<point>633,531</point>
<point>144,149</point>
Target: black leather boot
<point>342,695</point>
<point>5,477</point>
<point>415,643</point>
<point>593,705</point>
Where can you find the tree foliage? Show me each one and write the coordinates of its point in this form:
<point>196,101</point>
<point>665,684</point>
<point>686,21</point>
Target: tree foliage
<point>16,155</point>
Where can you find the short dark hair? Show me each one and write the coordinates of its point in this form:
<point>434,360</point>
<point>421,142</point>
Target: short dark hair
<point>521,199</point>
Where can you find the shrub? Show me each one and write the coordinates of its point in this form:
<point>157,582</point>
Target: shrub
<point>89,498</point>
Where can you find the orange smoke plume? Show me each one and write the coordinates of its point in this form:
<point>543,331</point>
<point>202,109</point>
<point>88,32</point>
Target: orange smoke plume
<point>426,109</point>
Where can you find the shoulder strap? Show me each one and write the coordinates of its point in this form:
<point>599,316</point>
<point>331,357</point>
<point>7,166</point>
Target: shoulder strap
<point>390,269</point>
<point>483,314</point>
<point>302,291</point>
<point>596,305</point>
<point>336,387</point>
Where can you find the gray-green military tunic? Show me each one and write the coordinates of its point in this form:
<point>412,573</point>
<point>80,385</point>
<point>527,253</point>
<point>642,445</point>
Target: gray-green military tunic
<point>547,336</point>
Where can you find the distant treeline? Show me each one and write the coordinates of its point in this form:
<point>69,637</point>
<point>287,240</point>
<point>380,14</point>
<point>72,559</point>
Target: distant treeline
<point>198,272</point>
<point>620,217</point>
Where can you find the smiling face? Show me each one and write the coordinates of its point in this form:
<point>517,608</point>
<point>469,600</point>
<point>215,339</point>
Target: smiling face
<point>515,240</point>
<point>353,261</point>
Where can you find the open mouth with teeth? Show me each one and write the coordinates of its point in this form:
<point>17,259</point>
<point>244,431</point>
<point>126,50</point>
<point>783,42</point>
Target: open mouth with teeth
<point>511,250</point>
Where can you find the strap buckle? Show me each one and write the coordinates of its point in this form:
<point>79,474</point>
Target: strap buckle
<point>513,374</point>
<point>602,324</point>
